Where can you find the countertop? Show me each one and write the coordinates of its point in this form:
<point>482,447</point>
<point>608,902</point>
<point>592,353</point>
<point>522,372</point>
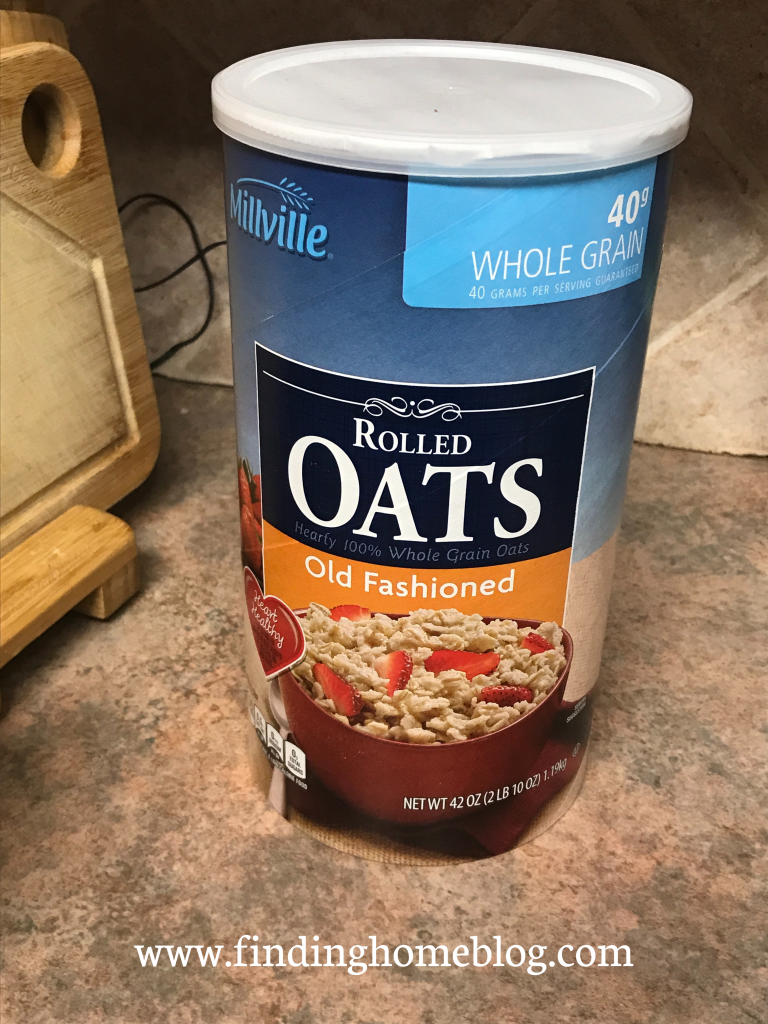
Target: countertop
<point>131,816</point>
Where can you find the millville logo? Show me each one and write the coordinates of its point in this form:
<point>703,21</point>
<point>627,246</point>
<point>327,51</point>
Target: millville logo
<point>288,227</point>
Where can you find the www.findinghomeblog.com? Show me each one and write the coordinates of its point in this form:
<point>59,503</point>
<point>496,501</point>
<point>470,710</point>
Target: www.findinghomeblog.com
<point>356,959</point>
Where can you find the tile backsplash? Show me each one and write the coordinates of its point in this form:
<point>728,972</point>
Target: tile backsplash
<point>151,62</point>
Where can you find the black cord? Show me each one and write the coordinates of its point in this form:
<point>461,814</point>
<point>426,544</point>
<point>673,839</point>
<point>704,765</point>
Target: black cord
<point>175,273</point>
<point>201,255</point>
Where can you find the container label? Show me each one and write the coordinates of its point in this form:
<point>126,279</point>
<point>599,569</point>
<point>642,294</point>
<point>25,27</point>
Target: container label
<point>433,444</point>
<point>520,244</point>
<point>403,495</point>
<point>407,549</point>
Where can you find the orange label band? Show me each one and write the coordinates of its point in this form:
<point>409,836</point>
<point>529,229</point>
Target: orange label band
<point>298,574</point>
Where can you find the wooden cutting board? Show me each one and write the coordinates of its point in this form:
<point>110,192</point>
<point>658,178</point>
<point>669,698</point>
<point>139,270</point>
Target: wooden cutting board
<point>78,416</point>
<point>28,27</point>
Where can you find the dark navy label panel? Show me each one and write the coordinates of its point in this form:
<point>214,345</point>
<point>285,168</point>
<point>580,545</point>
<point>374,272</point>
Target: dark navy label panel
<point>445,474</point>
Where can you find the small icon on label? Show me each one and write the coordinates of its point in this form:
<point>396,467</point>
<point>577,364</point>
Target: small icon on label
<point>277,633</point>
<point>259,723</point>
<point>275,741</point>
<point>295,760</point>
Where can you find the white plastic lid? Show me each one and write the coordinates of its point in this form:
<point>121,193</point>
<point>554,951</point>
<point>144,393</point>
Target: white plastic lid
<point>429,107</point>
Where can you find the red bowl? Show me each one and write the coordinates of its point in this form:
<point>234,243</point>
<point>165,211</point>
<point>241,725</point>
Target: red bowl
<point>411,784</point>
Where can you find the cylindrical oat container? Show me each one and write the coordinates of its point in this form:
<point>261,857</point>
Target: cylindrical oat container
<point>443,259</point>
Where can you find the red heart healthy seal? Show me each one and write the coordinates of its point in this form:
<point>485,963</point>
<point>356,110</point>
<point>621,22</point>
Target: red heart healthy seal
<point>276,631</point>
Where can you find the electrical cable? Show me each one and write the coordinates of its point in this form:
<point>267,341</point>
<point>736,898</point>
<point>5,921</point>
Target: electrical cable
<point>201,254</point>
<point>175,273</point>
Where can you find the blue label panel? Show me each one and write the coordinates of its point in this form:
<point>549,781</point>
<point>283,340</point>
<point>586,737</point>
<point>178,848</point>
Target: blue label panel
<point>486,245</point>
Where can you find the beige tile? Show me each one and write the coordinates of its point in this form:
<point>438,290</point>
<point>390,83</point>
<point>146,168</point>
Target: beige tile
<point>723,47</point>
<point>713,232</point>
<point>146,84</point>
<point>158,241</point>
<point>708,387</point>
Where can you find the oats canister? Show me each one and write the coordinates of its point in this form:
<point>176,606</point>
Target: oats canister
<point>442,260</point>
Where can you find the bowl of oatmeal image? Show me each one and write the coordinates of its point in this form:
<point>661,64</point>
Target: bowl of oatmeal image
<point>421,718</point>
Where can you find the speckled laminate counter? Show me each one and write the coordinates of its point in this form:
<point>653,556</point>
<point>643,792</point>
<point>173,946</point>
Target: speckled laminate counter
<point>130,816</point>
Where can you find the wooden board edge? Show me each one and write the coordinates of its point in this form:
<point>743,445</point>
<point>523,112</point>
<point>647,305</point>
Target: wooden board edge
<point>55,569</point>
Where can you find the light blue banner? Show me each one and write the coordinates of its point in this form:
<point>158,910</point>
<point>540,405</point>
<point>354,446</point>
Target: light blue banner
<point>486,245</point>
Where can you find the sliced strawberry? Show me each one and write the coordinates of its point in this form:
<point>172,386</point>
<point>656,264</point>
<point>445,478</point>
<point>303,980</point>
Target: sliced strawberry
<point>353,612</point>
<point>463,661</point>
<point>256,491</point>
<point>396,668</point>
<point>506,696</point>
<point>346,698</point>
<point>244,487</point>
<point>250,538</point>
<point>536,643</point>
